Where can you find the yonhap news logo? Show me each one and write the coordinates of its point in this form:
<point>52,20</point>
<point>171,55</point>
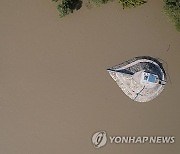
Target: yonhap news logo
<point>100,138</point>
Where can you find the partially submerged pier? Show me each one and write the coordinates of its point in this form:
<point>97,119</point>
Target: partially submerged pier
<point>141,78</point>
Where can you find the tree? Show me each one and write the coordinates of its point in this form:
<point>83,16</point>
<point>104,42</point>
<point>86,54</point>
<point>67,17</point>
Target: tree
<point>68,6</point>
<point>99,2</point>
<point>172,9</point>
<point>131,3</point>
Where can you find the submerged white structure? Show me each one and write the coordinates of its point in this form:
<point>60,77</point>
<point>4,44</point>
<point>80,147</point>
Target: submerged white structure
<point>141,78</point>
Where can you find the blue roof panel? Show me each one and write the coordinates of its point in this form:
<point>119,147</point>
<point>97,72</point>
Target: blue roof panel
<point>152,78</point>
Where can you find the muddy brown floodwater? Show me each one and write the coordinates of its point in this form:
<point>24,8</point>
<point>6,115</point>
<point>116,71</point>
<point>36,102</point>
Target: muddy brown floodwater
<point>55,91</point>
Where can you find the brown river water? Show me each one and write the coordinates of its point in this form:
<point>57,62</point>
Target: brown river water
<point>55,91</point>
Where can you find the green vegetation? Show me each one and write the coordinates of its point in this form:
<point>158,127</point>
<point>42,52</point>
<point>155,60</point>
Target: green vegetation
<point>68,6</point>
<point>99,2</point>
<point>131,3</point>
<point>172,9</point>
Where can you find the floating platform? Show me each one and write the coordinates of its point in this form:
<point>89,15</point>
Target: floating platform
<point>141,78</point>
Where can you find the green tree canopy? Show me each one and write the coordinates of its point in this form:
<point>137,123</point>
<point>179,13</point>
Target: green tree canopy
<point>172,9</point>
<point>131,3</point>
<point>68,6</point>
